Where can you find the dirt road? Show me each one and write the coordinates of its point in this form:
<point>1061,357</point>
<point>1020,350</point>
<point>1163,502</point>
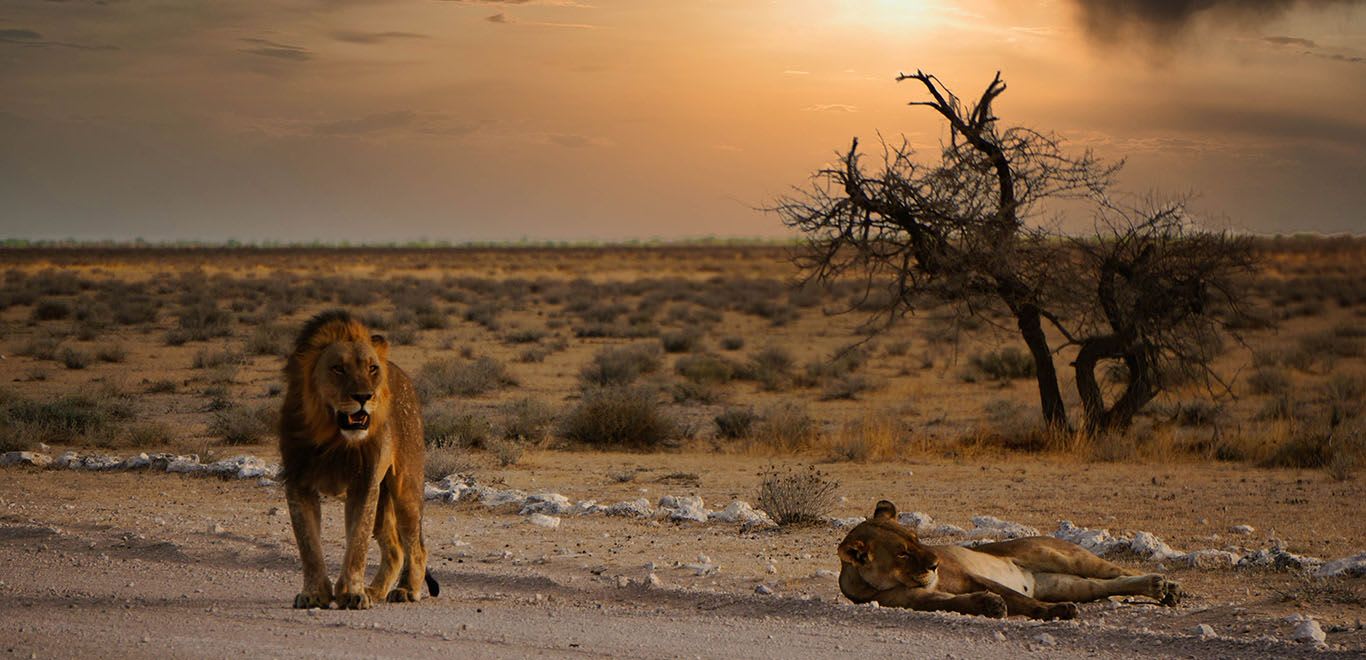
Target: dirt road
<point>129,570</point>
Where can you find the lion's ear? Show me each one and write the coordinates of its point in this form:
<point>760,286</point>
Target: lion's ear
<point>380,343</point>
<point>854,552</point>
<point>885,511</point>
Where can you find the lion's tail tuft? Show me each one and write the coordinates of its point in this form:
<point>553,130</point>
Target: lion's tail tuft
<point>433,587</point>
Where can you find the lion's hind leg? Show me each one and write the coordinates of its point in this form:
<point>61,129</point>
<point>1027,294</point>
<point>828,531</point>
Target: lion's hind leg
<point>390,550</point>
<point>1044,554</point>
<point>1058,587</point>
<point>408,520</point>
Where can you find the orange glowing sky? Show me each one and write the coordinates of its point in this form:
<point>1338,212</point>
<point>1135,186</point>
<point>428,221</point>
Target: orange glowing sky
<point>369,120</point>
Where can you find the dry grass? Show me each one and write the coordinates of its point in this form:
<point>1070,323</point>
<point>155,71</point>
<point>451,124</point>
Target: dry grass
<point>797,497</point>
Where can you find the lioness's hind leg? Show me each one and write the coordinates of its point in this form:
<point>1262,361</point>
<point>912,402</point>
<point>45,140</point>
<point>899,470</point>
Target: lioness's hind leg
<point>391,551</point>
<point>1059,587</point>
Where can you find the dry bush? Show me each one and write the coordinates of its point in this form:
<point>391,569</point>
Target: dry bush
<point>1009,363</point>
<point>620,365</point>
<point>200,322</point>
<point>786,426</point>
<point>527,419</point>
<point>507,451</point>
<point>444,461</point>
<point>459,377</point>
<point>848,386</point>
<point>705,368</point>
<point>207,359</point>
<point>269,339</point>
<point>51,310</point>
<point>879,437</point>
<point>161,387</point>
<point>1339,447</point>
<point>732,343</point>
<point>619,416</point>
<point>680,341</point>
<point>796,497</point>
<point>237,424</point>
<point>736,423</point>
<point>41,346</point>
<point>113,353</point>
<point>1268,379</point>
<point>444,428</point>
<point>74,358</point>
<point>771,367</point>
<point>524,335</point>
<point>1307,589</point>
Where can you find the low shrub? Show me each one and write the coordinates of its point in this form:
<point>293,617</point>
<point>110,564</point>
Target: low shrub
<point>460,377</point>
<point>445,428</point>
<point>797,497</point>
<point>736,423</point>
<point>238,424</point>
<point>621,365</point>
<point>1009,363</point>
<point>619,416</point>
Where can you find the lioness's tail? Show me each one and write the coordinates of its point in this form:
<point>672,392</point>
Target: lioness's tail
<point>433,587</point>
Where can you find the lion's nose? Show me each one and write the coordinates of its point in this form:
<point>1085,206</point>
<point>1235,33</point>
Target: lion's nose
<point>362,398</point>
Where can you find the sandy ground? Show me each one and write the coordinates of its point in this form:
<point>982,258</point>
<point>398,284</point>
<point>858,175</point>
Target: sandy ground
<point>141,564</point>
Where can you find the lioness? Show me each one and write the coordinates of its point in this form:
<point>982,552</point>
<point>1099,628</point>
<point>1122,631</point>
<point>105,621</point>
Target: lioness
<point>1039,577</point>
<point>351,426</point>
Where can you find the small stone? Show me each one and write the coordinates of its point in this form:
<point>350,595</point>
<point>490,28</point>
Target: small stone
<point>1242,530</point>
<point>623,582</point>
<point>763,590</point>
<point>1309,632</point>
<point>771,569</point>
<point>653,581</point>
<point>274,511</point>
<point>216,528</point>
<point>1205,632</point>
<point>542,520</point>
<point>824,573</point>
<point>1046,639</point>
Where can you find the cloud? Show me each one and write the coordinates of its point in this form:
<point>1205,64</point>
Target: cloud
<point>374,123</point>
<point>1165,20</point>
<point>34,39</point>
<point>1311,48</point>
<point>268,48</point>
<point>355,37</point>
<point>1291,41</point>
<point>796,72</point>
<point>503,19</point>
<point>830,107</point>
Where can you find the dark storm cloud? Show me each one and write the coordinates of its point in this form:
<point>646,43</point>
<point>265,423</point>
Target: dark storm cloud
<point>353,37</point>
<point>268,48</point>
<point>1163,20</point>
<point>34,39</point>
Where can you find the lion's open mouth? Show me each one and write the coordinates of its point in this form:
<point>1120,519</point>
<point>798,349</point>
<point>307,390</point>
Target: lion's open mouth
<point>356,421</point>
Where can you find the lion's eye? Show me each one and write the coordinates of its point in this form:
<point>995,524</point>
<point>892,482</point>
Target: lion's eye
<point>374,369</point>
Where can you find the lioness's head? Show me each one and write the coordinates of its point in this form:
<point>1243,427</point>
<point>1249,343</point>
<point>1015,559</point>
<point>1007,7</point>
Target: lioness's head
<point>339,374</point>
<point>887,554</point>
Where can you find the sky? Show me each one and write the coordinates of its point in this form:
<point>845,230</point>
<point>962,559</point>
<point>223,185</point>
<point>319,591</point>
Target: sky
<point>502,120</point>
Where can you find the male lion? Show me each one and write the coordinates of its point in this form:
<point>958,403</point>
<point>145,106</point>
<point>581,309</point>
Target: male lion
<point>351,426</point>
<point>1039,577</point>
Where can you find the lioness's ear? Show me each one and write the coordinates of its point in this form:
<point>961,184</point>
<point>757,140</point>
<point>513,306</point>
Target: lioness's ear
<point>380,343</point>
<point>885,511</point>
<point>854,552</point>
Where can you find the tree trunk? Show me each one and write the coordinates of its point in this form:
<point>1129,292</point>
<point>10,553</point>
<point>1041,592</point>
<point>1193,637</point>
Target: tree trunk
<point>1050,396</point>
<point>1137,392</point>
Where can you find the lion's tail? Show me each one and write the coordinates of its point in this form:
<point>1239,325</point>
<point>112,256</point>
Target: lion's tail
<point>433,587</point>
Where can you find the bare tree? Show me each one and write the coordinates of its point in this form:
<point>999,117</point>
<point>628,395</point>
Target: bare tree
<point>953,231</point>
<point>1163,295</point>
<point>956,232</point>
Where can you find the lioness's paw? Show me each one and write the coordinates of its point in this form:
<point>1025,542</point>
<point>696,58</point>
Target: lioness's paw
<point>354,601</point>
<point>1171,593</point>
<point>1060,611</point>
<point>308,601</point>
<point>402,595</point>
<point>986,603</point>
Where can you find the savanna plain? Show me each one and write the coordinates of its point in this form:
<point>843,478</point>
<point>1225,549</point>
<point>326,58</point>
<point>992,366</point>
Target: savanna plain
<point>619,373</point>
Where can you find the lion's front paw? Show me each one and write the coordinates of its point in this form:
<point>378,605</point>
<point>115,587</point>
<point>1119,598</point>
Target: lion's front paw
<point>403,595</point>
<point>308,600</point>
<point>988,604</point>
<point>358,600</point>
<point>1060,611</point>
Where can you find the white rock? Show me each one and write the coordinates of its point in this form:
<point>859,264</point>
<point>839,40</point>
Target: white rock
<point>703,568</point>
<point>653,581</point>
<point>771,569</point>
<point>995,528</point>
<point>493,497</point>
<point>1347,566</point>
<point>845,523</point>
<point>553,504</point>
<point>741,512</point>
<point>1098,541</point>
<point>1046,639</point>
<point>1309,632</point>
<point>25,458</point>
<point>1279,559</point>
<point>184,464</point>
<point>136,462</point>
<point>1205,632</point>
<point>68,459</point>
<point>763,590</point>
<point>688,508</point>
<point>637,508</point>
<point>998,636</point>
<point>542,520</point>
<point>623,582</point>
<point>1148,545</point>
<point>916,520</point>
<point>1242,530</point>
<point>945,529</point>
<point>431,492</point>
<point>586,507</point>
<point>824,573</point>
<point>1210,559</point>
